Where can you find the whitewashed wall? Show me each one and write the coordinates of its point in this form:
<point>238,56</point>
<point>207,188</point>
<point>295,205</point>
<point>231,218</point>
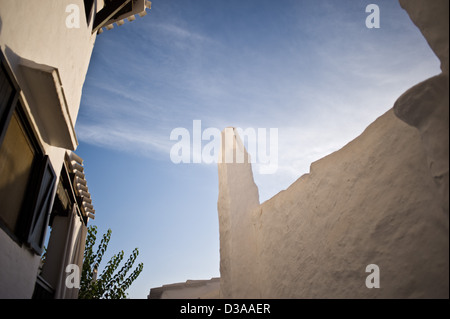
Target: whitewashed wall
<point>36,31</point>
<point>382,199</point>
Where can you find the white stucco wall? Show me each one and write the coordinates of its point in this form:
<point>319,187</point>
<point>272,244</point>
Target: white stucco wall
<point>36,31</point>
<point>18,269</point>
<point>238,194</point>
<point>382,199</point>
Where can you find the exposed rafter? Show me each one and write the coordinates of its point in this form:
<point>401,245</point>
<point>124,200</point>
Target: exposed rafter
<point>111,8</point>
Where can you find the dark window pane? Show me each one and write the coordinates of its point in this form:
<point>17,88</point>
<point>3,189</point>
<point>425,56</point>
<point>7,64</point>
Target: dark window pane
<point>6,90</point>
<point>42,206</point>
<point>16,160</point>
<point>7,94</point>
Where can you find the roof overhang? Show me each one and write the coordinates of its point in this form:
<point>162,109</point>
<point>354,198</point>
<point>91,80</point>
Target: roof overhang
<point>79,184</point>
<point>117,11</point>
<point>45,95</point>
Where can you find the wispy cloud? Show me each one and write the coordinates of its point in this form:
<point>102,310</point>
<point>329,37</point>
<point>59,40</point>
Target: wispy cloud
<point>319,81</point>
<point>125,138</point>
<point>173,30</point>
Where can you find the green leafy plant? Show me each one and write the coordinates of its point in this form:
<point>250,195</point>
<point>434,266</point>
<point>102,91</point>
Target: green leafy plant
<point>107,285</point>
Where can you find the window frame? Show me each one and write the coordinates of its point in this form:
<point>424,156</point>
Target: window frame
<point>6,114</point>
<point>37,153</point>
<point>30,216</point>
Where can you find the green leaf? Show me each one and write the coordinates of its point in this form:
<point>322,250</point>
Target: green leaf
<point>107,285</point>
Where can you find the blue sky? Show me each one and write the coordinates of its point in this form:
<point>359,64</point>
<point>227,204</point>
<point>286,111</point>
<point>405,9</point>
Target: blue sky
<point>309,68</point>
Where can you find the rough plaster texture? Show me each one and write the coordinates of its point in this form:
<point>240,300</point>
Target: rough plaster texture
<point>426,105</point>
<point>382,199</point>
<point>238,194</point>
<point>18,269</point>
<point>431,17</point>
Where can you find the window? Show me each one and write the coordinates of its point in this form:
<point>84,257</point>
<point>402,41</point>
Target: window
<point>27,177</point>
<point>37,214</point>
<point>16,161</point>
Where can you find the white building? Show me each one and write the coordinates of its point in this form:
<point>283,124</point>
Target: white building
<point>46,47</point>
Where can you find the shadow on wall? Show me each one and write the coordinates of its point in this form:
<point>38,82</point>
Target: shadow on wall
<point>14,61</point>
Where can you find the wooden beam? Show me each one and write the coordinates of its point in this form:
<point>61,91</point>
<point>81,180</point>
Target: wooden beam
<point>108,12</point>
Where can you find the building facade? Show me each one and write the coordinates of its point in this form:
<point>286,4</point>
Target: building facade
<point>46,48</point>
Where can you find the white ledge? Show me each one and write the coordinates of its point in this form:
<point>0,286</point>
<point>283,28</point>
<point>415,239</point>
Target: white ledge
<point>48,104</point>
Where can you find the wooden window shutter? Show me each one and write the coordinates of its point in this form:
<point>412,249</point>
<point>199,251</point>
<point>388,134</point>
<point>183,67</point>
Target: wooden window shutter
<point>42,206</point>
